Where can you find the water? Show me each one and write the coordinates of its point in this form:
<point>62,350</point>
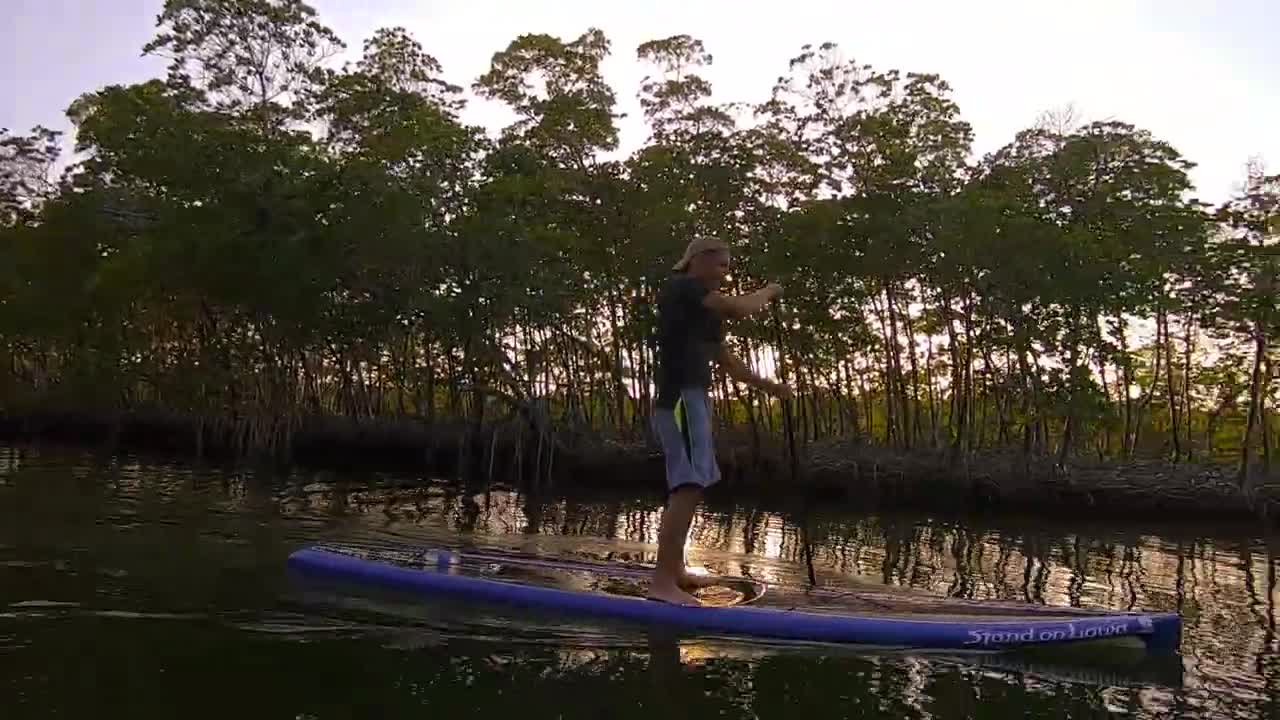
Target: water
<point>137,588</point>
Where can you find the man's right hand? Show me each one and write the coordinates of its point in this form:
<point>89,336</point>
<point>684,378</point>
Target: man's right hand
<point>741,306</point>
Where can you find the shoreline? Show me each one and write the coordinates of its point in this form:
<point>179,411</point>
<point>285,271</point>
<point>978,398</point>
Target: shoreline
<point>850,472</point>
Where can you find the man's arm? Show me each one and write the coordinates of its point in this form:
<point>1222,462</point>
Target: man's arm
<point>739,306</point>
<point>739,371</point>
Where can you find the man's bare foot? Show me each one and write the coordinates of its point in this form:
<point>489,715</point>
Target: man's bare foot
<point>671,594</point>
<point>690,581</point>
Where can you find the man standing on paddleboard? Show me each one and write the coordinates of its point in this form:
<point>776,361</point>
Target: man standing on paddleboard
<point>691,314</point>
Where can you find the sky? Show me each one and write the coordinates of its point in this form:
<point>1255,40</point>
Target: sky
<point>1201,76</point>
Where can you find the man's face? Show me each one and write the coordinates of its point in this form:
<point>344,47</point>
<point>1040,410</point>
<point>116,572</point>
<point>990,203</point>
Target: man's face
<point>711,266</point>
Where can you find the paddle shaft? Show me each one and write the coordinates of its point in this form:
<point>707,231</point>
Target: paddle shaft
<point>788,425</point>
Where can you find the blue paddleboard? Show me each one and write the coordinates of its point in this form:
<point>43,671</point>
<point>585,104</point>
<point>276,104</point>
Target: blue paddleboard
<point>601,590</point>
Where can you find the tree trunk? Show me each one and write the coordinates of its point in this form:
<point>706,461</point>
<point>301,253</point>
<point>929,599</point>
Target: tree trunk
<point>933,398</point>
<point>986,401</point>
<point>895,354</point>
<point>1126,368</point>
<point>916,429</point>
<point>868,405</point>
<point>637,403</point>
<point>1041,421</point>
<point>1151,391</point>
<point>1188,342</point>
<point>1262,417</point>
<point>1106,393</point>
<point>969,390</point>
<point>890,387</point>
<point>1255,401</point>
<point>619,389</point>
<point>959,411</point>
<point>850,382</point>
<point>1175,422</point>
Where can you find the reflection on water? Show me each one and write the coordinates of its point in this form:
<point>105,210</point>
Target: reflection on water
<point>177,571</point>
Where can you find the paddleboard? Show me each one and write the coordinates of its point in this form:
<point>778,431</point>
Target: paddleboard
<point>731,606</point>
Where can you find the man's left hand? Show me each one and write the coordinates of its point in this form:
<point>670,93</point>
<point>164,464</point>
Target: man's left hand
<point>776,389</point>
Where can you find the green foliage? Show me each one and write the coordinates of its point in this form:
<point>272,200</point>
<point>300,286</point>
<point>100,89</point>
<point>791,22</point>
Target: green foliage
<point>243,55</point>
<point>25,166</point>
<point>259,233</point>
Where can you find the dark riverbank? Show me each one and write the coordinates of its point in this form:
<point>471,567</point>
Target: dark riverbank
<point>851,472</point>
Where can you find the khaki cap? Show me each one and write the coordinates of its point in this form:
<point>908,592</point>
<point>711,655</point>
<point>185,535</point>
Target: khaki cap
<point>697,246</point>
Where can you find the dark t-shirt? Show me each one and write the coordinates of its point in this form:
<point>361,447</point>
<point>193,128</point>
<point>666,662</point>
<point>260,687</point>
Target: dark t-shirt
<point>689,334</point>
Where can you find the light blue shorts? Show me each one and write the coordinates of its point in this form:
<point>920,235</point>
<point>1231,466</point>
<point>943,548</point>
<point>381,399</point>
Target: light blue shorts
<point>685,434</point>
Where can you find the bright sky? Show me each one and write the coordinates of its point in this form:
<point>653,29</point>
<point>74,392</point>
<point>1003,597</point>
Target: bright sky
<point>1202,76</point>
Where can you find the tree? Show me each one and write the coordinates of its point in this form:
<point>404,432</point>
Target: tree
<point>258,236</point>
<point>1248,268</point>
<point>26,168</point>
<point>245,56</point>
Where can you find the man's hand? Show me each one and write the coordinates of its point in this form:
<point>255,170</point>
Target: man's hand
<point>740,306</point>
<point>775,389</point>
<point>739,371</point>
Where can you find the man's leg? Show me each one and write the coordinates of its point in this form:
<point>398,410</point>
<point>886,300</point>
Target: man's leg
<point>702,455</point>
<point>685,433</point>
<point>674,529</point>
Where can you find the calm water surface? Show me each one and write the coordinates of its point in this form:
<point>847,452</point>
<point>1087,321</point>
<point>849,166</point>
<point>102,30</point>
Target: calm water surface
<point>143,589</point>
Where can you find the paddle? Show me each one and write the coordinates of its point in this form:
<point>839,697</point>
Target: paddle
<point>789,427</point>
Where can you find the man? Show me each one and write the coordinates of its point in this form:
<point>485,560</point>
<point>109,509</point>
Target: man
<point>691,312</point>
